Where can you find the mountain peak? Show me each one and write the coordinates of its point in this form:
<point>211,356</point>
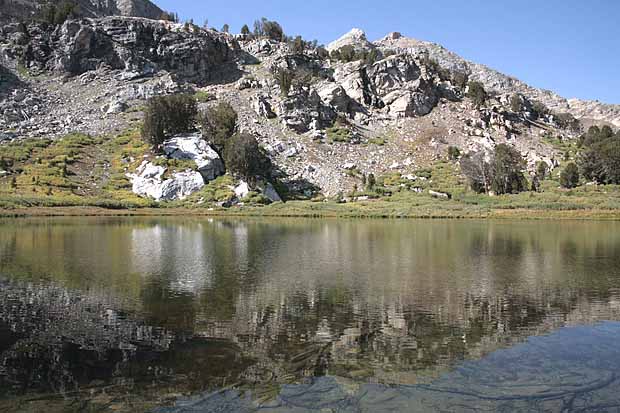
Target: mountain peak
<point>355,37</point>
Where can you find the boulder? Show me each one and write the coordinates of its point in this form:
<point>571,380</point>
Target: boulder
<point>334,95</point>
<point>304,111</point>
<point>270,193</point>
<point>262,107</point>
<point>242,190</point>
<point>114,107</point>
<point>194,147</point>
<point>148,182</point>
<point>439,195</point>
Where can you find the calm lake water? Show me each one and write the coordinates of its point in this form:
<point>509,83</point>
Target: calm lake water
<point>202,315</point>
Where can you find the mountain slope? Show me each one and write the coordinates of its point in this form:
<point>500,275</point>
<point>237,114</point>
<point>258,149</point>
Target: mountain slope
<point>24,9</point>
<point>327,124</point>
<point>494,80</point>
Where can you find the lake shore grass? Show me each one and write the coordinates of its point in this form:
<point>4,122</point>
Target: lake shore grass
<point>81,175</point>
<point>305,209</point>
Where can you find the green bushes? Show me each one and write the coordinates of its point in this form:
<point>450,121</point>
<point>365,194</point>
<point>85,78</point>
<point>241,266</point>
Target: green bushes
<point>567,121</point>
<point>288,79</point>
<point>569,177</point>
<point>348,54</point>
<point>454,153</point>
<point>599,159</point>
<point>338,133</point>
<point>516,103</point>
<point>57,14</point>
<point>218,124</point>
<point>168,115</point>
<point>241,153</point>
<point>243,157</point>
<point>503,174</point>
<point>476,92</point>
<point>269,29</point>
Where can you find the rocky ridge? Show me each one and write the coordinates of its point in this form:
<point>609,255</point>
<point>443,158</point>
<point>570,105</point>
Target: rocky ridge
<point>11,10</point>
<point>337,122</point>
<point>494,80</point>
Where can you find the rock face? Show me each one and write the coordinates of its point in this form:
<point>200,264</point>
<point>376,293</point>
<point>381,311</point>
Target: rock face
<point>23,9</point>
<point>195,148</point>
<point>136,45</point>
<point>304,110</point>
<point>499,82</point>
<point>397,83</point>
<point>148,182</point>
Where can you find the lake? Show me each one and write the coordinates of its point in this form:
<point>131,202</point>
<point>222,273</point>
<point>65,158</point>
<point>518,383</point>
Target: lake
<point>200,315</point>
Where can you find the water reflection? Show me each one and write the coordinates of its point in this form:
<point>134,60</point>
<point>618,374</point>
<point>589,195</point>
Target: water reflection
<point>549,373</point>
<point>158,307</point>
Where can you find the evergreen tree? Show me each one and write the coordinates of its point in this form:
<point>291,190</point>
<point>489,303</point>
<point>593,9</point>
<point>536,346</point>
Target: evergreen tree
<point>569,178</point>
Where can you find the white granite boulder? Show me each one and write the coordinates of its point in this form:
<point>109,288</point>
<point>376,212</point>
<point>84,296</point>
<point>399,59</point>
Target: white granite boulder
<point>193,147</point>
<point>148,182</point>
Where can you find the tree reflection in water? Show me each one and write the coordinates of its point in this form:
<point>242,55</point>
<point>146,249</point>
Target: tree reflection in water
<point>134,313</point>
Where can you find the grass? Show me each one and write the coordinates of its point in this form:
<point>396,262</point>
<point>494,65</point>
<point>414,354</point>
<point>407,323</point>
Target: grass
<point>203,96</point>
<point>83,175</point>
<point>339,134</point>
<point>379,141</point>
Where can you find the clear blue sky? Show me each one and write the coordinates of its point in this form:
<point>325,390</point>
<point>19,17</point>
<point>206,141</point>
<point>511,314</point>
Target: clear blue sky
<point>569,46</point>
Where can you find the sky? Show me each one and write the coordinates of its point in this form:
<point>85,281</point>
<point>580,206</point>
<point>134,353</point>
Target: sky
<point>571,47</point>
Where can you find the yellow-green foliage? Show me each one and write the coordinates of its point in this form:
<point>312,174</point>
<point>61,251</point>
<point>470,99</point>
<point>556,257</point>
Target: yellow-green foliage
<point>218,190</point>
<point>339,134</point>
<point>56,173</point>
<point>377,141</point>
<point>202,96</point>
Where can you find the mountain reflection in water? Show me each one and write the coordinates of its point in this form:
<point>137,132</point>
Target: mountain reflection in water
<point>554,373</point>
<point>135,313</point>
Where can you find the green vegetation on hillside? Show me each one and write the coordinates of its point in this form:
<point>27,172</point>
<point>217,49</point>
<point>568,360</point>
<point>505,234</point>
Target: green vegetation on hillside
<point>83,171</point>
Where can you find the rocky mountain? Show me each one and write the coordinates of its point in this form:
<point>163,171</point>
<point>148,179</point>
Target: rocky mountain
<point>494,80</point>
<point>324,123</point>
<point>11,10</point>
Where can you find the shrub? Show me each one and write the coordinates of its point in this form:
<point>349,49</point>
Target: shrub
<point>507,167</point>
<point>539,109</point>
<point>459,79</point>
<point>371,182</point>
<point>168,115</point>
<point>339,133</point>
<point>245,158</point>
<point>477,93</point>
<point>541,170</point>
<point>322,53</point>
<point>503,174</point>
<point>57,14</point>
<point>268,28</point>
<point>347,53</point>
<point>567,121</point>
<point>569,178</point>
<point>454,153</point>
<point>284,78</point>
<point>218,124</point>
<point>203,97</point>
<point>599,159</point>
<point>516,103</point>
<point>298,45</point>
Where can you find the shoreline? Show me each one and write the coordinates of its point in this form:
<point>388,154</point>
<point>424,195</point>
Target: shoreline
<point>270,212</point>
